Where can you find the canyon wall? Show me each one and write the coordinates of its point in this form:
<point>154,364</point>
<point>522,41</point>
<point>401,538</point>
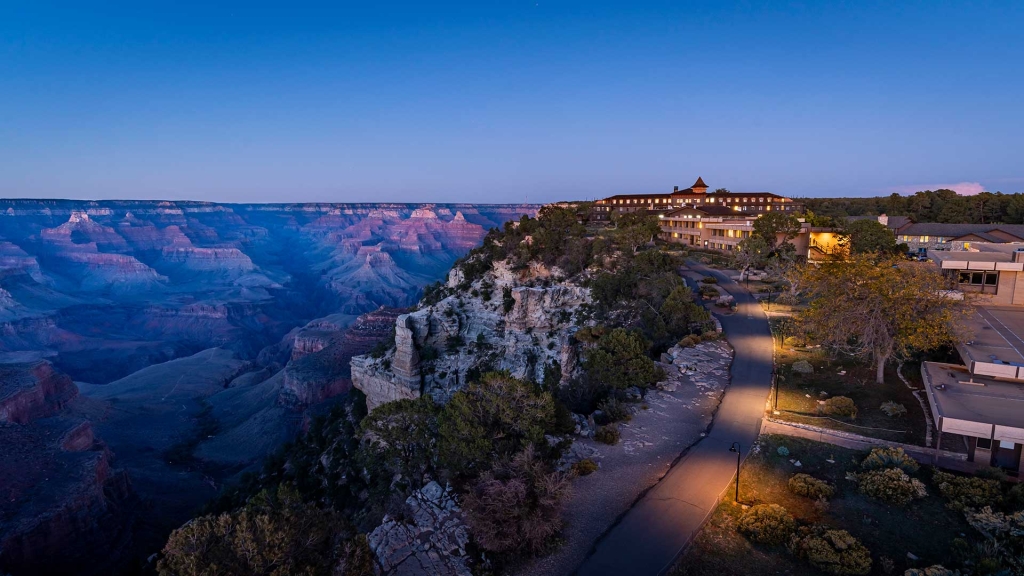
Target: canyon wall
<point>436,347</point>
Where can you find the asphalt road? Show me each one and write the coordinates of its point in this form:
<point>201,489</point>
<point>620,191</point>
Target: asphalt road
<point>649,537</point>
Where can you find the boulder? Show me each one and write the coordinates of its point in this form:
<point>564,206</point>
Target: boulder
<point>433,543</point>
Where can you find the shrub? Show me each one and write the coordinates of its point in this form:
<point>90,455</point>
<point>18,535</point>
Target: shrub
<point>690,341</point>
<point>840,406</point>
<point>810,487</point>
<point>964,492</point>
<point>887,457</point>
<point>613,410</point>
<point>831,551</point>
<point>516,506</point>
<point>782,451</point>
<point>620,360</point>
<point>893,409</point>
<point>491,419</point>
<point>607,434</point>
<point>709,280</point>
<point>507,301</point>
<point>275,532</point>
<point>584,467</point>
<point>891,485</point>
<point>1015,497</point>
<point>768,524</point>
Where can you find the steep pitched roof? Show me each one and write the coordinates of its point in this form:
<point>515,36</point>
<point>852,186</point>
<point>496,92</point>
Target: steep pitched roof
<point>699,183</point>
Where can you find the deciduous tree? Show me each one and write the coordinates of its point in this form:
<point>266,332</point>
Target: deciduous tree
<point>880,309</point>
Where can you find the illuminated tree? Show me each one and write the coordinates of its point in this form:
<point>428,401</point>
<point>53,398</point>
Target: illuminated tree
<point>878,310</point>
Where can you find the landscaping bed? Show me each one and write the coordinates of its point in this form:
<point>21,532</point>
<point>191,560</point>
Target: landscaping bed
<point>800,395</point>
<point>925,528</point>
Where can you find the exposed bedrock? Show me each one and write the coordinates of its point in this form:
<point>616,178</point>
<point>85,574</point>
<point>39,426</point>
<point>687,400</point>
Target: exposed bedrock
<point>464,332</point>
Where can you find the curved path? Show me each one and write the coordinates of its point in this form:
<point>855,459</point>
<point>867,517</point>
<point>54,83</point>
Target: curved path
<point>649,537</point>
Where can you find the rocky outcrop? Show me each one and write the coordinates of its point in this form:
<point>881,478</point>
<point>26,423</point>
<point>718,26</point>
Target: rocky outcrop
<point>431,541</point>
<point>439,346</point>
<point>320,364</point>
<point>63,508</point>
<point>31,391</point>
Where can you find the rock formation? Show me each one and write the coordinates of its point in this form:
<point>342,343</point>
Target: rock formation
<point>430,542</point>
<point>437,346</point>
<point>61,502</point>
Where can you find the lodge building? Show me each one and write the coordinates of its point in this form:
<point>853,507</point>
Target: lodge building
<point>697,195</point>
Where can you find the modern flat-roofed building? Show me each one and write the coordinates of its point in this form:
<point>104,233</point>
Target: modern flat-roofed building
<point>696,195</point>
<point>993,272</point>
<point>983,400</point>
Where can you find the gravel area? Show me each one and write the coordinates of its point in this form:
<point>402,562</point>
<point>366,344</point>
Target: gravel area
<point>676,417</point>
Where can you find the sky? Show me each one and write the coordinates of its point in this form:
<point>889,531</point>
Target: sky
<point>507,101</point>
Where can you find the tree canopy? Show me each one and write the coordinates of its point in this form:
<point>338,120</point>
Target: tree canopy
<point>870,237</point>
<point>771,225</point>
<point>881,309</point>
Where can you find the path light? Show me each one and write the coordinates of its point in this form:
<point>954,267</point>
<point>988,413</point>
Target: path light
<point>736,448</point>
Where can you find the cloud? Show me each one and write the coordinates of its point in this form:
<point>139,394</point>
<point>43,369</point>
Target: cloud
<point>962,188</point>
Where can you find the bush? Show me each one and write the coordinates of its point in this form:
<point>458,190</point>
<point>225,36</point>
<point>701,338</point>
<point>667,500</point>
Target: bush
<point>964,492</point>
<point>584,467</point>
<point>607,434</point>
<point>890,458</point>
<point>516,506</point>
<point>840,406</point>
<point>831,551</point>
<point>891,485</point>
<point>782,451</point>
<point>768,524</point>
<point>893,409</point>
<point>689,341</point>
<point>1015,498</point>
<point>612,411</point>
<point>275,532</point>
<point>709,280</point>
<point>810,487</point>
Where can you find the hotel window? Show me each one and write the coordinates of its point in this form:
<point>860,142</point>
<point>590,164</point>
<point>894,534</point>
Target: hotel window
<point>985,443</point>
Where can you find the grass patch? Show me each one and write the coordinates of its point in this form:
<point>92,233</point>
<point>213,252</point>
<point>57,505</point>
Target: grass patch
<point>799,395</point>
<point>925,528</point>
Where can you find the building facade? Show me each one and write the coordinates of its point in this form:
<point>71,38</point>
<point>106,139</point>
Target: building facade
<point>717,227</point>
<point>697,195</point>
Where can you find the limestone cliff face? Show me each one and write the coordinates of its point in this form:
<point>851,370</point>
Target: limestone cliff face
<point>439,346</point>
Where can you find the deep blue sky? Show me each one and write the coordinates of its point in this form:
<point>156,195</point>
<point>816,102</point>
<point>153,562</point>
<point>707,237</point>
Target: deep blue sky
<point>489,101</point>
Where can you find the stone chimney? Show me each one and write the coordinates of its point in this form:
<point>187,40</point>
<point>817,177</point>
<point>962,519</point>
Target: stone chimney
<point>883,219</point>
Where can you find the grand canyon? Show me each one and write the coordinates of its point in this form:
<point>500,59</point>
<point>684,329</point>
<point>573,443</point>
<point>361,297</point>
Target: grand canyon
<point>152,352</point>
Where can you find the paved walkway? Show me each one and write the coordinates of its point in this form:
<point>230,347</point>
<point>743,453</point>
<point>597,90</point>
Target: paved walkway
<point>649,537</point>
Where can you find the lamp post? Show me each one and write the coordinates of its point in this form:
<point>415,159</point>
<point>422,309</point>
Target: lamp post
<point>775,381</point>
<point>769,299</point>
<point>736,448</point>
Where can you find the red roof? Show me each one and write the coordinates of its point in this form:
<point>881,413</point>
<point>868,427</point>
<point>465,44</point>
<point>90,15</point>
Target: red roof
<point>699,183</point>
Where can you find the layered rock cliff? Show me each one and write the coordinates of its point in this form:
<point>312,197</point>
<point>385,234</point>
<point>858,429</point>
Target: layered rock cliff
<point>517,321</point>
<point>61,501</point>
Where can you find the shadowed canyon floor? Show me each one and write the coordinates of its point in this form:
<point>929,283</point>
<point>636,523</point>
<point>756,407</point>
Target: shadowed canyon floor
<point>198,336</point>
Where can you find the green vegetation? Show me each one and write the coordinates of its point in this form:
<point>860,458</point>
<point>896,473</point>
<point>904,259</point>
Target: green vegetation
<point>871,237</point>
<point>891,485</point>
<point>831,551</point>
<point>275,533</point>
<point>810,487</point>
<point>887,457</point>
<point>607,434</point>
<point>928,206</point>
<point>768,524</point>
<point>516,506</point>
<point>879,310</point>
<point>872,529</point>
<point>840,406</point>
